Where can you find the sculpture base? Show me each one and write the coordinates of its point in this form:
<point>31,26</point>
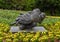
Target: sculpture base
<point>34,29</point>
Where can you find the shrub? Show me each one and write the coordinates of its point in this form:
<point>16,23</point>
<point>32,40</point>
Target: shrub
<point>17,4</point>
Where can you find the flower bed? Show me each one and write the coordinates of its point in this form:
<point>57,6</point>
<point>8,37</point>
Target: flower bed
<point>53,34</point>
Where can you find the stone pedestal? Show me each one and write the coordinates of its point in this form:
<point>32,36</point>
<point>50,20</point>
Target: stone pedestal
<point>34,29</point>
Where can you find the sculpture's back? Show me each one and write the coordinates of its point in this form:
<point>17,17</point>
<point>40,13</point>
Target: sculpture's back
<point>24,19</point>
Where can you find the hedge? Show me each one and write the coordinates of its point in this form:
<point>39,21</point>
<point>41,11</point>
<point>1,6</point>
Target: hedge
<point>51,6</point>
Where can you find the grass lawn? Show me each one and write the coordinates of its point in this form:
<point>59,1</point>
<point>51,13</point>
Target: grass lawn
<point>8,16</point>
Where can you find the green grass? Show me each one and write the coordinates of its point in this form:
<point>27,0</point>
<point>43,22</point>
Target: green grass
<point>8,16</point>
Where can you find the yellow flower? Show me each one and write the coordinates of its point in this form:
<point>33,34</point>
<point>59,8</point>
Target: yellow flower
<point>26,39</point>
<point>15,36</point>
<point>58,35</point>
<point>32,40</point>
<point>8,40</point>
<point>1,38</point>
<point>2,25</point>
<point>15,40</point>
<point>56,24</point>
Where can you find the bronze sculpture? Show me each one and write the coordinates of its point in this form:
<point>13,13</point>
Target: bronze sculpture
<point>30,19</point>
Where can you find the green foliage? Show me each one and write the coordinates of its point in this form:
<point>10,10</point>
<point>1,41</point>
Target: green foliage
<point>5,4</point>
<point>17,4</point>
<point>30,4</point>
<point>49,5</point>
<point>52,6</point>
<point>8,16</point>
